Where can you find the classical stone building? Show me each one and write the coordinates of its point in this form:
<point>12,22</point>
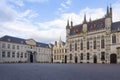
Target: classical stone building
<point>13,49</point>
<point>59,52</point>
<point>96,41</point>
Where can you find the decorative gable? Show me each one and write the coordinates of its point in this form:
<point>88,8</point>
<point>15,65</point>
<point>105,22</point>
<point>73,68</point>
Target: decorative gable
<point>30,42</point>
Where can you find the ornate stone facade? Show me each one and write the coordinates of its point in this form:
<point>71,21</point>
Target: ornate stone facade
<point>95,41</point>
<point>14,49</point>
<point>59,52</point>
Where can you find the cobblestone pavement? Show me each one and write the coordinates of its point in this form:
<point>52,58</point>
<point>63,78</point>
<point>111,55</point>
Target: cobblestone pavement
<point>37,71</point>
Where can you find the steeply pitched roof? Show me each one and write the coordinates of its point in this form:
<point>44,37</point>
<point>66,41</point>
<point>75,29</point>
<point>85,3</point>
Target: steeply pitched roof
<point>41,44</point>
<point>12,39</point>
<point>20,41</point>
<point>115,26</point>
<point>91,26</point>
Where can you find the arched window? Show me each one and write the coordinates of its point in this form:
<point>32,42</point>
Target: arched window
<point>102,55</point>
<point>70,47</point>
<point>102,43</point>
<point>94,44</point>
<point>81,57</point>
<point>81,45</point>
<point>113,38</point>
<point>75,46</point>
<point>87,45</point>
<point>70,56</point>
<point>88,56</point>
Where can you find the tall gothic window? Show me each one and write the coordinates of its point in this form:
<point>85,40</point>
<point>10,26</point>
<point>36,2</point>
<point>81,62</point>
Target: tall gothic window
<point>94,44</point>
<point>70,47</point>
<point>102,43</point>
<point>81,45</point>
<point>75,46</point>
<point>88,56</point>
<point>114,39</point>
<point>70,56</point>
<point>81,57</point>
<point>102,55</point>
<point>87,45</point>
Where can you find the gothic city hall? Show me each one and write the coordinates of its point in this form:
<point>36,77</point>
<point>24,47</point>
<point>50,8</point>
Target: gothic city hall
<point>93,41</point>
<point>96,41</point>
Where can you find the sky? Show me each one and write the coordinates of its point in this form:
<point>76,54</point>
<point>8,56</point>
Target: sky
<point>45,20</point>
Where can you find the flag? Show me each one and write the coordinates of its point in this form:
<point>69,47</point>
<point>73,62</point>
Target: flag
<point>95,27</point>
<point>101,22</point>
<point>76,31</point>
<point>90,24</point>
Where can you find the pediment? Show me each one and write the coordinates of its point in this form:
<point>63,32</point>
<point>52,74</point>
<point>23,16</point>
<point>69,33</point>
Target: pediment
<point>30,42</point>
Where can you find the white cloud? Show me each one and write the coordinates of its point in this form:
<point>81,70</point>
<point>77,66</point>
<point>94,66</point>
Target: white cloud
<point>19,3</point>
<point>20,25</point>
<point>64,6</point>
<point>68,2</point>
<point>116,11</point>
<point>37,1</point>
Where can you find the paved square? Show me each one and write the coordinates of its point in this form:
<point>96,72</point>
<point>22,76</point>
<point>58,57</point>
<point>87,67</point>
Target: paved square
<point>59,71</point>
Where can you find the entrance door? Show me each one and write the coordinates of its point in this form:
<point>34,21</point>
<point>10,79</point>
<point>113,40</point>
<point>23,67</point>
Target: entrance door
<point>65,59</point>
<point>76,59</point>
<point>31,58</point>
<point>95,59</point>
<point>113,58</point>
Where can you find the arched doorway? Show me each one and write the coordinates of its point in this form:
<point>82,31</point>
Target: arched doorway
<point>65,59</point>
<point>95,59</point>
<point>76,59</point>
<point>113,58</point>
<point>31,58</point>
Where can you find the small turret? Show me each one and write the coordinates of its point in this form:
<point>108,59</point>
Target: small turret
<point>68,26</point>
<point>108,19</point>
<point>67,29</point>
<point>111,12</point>
<point>84,29</point>
<point>84,19</point>
<point>71,24</point>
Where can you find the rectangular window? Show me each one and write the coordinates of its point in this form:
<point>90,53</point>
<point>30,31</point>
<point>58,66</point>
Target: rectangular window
<point>18,47</point>
<point>8,46</point>
<point>81,56</point>
<point>81,45</point>
<point>13,54</point>
<point>88,56</point>
<point>21,55</point>
<point>75,46</point>
<point>88,45</point>
<point>102,55</point>
<point>13,47</point>
<point>65,50</point>
<point>3,54</point>
<point>54,51</point>
<point>70,47</point>
<point>25,55</point>
<point>8,54</point>
<point>3,45</point>
<point>18,55</point>
<point>102,43</point>
<point>94,44</point>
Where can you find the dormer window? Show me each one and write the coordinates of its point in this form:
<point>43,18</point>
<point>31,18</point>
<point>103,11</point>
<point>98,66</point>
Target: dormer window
<point>9,40</point>
<point>22,42</point>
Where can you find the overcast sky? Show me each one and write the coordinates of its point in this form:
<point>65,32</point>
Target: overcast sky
<point>45,20</point>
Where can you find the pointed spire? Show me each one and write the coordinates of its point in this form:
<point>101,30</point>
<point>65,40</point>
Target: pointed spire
<point>68,26</point>
<point>84,18</point>
<point>71,23</point>
<point>107,10</point>
<point>90,19</point>
<point>60,39</point>
<point>110,10</point>
<point>68,23</point>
